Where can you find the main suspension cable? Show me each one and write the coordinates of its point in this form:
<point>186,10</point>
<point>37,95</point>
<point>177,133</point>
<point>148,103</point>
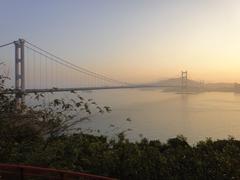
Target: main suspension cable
<point>82,69</point>
<point>6,44</point>
<point>67,65</point>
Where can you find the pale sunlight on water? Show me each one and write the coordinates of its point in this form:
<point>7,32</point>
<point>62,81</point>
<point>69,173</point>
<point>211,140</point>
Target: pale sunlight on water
<point>160,115</point>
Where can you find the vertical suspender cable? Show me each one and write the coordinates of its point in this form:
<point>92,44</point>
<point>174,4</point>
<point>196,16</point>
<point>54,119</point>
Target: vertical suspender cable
<point>34,71</point>
<point>46,73</point>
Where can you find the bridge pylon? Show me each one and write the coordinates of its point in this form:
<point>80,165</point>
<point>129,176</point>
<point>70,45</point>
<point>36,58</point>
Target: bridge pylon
<point>19,71</point>
<point>184,80</point>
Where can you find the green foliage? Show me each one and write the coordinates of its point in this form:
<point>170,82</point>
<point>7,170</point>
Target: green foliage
<point>129,160</point>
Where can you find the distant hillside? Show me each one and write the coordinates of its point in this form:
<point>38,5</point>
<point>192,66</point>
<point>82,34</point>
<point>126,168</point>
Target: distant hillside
<point>195,85</point>
<point>174,82</point>
<point>220,87</point>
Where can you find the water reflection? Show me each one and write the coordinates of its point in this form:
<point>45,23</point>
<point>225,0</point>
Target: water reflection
<point>161,115</point>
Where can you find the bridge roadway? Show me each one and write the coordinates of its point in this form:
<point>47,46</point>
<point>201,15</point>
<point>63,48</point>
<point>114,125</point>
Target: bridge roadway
<point>96,88</point>
<point>27,91</point>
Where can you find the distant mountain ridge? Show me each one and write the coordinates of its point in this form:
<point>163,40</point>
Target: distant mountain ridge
<point>196,85</point>
<point>174,82</point>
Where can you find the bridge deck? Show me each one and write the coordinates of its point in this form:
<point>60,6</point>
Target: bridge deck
<point>88,88</point>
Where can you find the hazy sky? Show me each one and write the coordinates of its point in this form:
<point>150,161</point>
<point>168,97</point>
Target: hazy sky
<point>133,40</point>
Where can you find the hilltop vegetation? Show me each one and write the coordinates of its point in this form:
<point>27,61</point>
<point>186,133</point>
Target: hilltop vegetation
<point>120,158</point>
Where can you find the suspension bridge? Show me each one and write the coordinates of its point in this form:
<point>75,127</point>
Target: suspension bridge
<point>37,70</point>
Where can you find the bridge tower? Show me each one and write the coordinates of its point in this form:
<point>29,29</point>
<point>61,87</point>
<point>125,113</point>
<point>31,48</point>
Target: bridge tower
<point>184,80</point>
<point>19,70</point>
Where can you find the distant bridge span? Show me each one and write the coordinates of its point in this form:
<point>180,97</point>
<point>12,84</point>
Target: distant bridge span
<point>28,91</point>
<point>42,75</point>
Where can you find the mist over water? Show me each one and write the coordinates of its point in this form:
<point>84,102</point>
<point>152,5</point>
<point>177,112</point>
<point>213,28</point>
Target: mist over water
<point>160,115</point>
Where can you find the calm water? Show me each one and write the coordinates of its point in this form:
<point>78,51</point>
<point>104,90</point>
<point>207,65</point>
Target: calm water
<point>161,115</point>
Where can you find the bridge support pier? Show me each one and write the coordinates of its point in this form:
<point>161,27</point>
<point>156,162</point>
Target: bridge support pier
<point>19,72</point>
